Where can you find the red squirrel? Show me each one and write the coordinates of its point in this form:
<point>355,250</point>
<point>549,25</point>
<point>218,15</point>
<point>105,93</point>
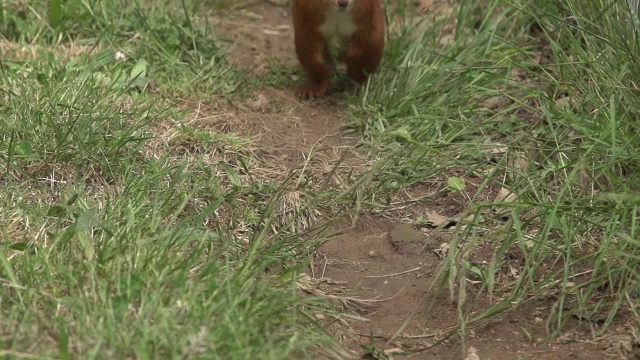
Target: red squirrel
<point>358,24</point>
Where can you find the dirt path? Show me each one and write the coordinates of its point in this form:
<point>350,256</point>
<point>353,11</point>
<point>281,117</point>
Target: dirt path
<point>386,261</point>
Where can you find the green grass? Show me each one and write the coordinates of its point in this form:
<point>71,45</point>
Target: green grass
<point>566,74</point>
<point>119,243</point>
<point>172,46</point>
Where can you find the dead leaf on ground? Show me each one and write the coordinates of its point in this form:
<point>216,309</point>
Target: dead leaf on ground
<point>464,216</point>
<point>442,251</point>
<point>472,354</point>
<point>496,149</point>
<point>435,220</point>
<point>505,195</point>
<point>494,152</point>
<point>518,160</point>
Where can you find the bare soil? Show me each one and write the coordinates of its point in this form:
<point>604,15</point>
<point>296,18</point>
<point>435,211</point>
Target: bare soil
<point>385,262</point>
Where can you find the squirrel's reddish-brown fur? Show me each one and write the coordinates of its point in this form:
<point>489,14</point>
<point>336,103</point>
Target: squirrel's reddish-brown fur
<point>359,24</point>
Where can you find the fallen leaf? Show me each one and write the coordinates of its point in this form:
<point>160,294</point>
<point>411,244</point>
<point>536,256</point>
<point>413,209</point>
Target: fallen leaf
<point>393,351</point>
<point>518,160</point>
<point>434,219</point>
<point>505,195</point>
<point>496,149</point>
<point>442,251</point>
<point>472,354</point>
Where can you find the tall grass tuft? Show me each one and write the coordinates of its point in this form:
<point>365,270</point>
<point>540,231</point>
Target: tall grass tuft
<point>537,99</point>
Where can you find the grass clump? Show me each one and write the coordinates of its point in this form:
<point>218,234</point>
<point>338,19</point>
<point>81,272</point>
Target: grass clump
<point>117,244</point>
<point>532,107</point>
<point>172,46</point>
<point>133,274</point>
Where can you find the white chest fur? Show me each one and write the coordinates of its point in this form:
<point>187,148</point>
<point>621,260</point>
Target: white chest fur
<point>339,23</point>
